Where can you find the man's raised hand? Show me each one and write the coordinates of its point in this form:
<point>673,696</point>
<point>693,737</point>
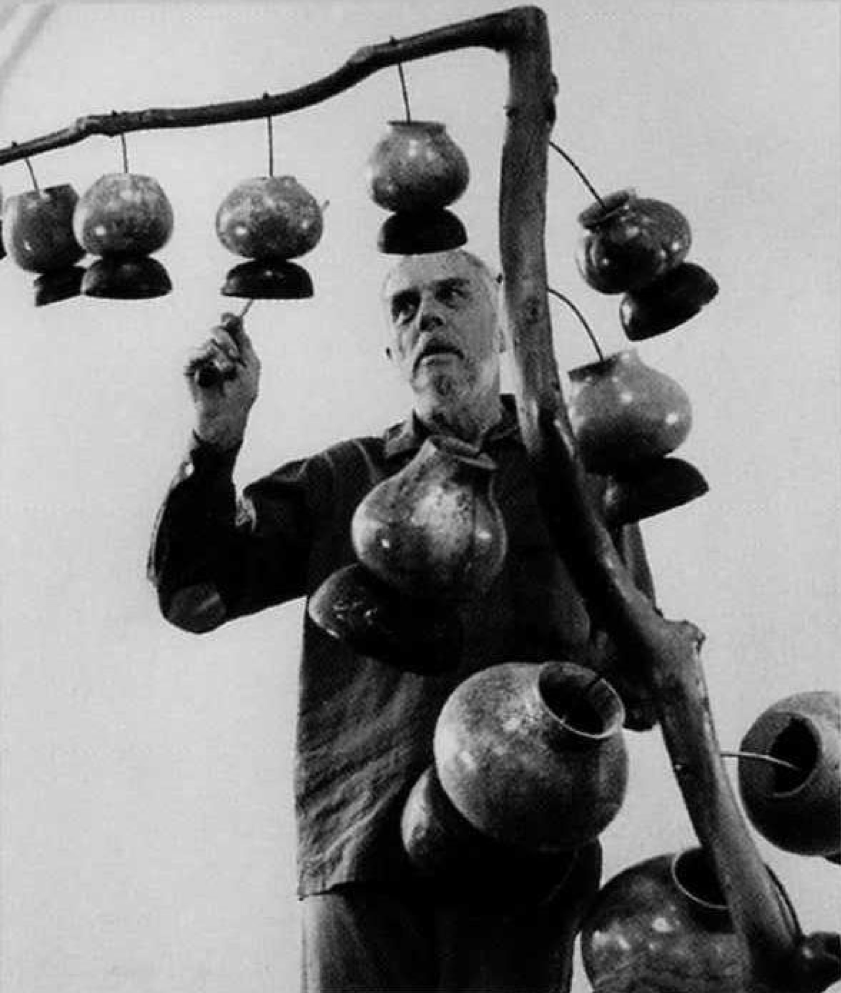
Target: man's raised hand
<point>223,376</point>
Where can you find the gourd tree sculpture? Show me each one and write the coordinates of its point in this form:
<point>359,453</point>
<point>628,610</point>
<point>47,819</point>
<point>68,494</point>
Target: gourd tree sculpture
<point>667,653</point>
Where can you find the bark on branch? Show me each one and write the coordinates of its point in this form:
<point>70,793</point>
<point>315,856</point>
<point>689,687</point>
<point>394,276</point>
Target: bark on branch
<point>494,31</point>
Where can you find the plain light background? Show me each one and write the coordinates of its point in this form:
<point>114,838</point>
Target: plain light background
<point>147,837</point>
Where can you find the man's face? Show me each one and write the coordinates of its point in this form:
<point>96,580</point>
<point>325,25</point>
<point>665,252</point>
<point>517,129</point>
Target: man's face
<point>445,335</point>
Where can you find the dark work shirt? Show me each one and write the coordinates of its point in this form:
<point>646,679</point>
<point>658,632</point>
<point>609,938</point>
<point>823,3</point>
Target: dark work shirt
<point>364,728</point>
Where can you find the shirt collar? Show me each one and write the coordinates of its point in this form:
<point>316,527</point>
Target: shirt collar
<point>411,433</point>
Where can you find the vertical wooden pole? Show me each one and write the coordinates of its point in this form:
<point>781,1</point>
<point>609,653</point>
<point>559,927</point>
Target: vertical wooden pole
<point>668,652</point>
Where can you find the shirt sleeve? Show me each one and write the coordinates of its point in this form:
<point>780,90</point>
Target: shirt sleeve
<point>214,556</point>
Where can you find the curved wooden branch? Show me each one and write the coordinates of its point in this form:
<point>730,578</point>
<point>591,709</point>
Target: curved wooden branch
<point>492,31</point>
<point>667,652</point>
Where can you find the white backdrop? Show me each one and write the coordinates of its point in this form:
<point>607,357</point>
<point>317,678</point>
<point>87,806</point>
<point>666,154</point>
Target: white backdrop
<point>146,837</point>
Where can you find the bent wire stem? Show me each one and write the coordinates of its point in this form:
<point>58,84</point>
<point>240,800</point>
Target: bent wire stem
<point>665,653</point>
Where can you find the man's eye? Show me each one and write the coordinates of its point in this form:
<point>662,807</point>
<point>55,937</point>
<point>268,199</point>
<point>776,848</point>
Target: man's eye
<point>403,310</point>
<point>451,294</point>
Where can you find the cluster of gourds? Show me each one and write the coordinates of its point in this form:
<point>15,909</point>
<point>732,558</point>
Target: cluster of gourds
<point>123,218</point>
<point>628,417</point>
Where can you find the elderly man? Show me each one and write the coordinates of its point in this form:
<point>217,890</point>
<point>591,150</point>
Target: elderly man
<point>364,729</point>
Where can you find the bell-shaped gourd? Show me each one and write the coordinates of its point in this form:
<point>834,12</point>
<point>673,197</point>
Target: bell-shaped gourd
<point>416,166</point>
<point>269,220</point>
<point>269,217</point>
<point>623,412</point>
<point>38,229</point>
<point>416,170</point>
<point>123,214</point>
<point>124,217</point>
<point>38,235</point>
<point>434,529</point>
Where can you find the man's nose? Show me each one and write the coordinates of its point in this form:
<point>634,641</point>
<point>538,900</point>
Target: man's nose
<point>429,316</point>
<point>429,321</point>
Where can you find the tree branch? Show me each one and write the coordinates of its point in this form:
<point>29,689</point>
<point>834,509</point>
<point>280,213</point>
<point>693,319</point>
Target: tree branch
<point>494,31</point>
<point>667,652</point>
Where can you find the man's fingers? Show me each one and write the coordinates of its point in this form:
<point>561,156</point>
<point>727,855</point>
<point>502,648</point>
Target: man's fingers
<point>211,375</point>
<point>232,323</point>
<point>234,329</point>
<point>246,349</point>
<point>222,344</point>
<point>218,359</point>
<point>201,355</point>
<point>227,344</point>
<point>211,355</point>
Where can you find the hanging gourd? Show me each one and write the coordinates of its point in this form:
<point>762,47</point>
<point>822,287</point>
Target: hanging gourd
<point>38,237</point>
<point>416,170</point>
<point>124,218</point>
<point>434,530</point>
<point>269,220</point>
<point>638,246</point>
<point>795,802</point>
<point>628,242</point>
<point>624,412</point>
<point>626,418</point>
